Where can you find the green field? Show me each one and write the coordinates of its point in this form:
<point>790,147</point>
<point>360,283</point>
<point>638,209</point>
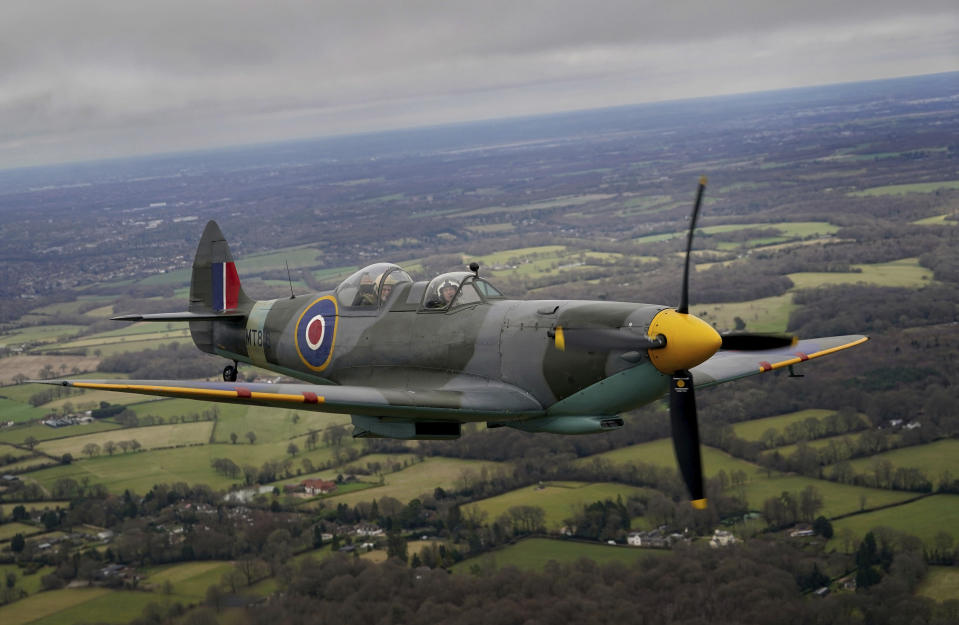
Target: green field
<point>18,434</point>
<point>362,463</point>
<point>532,554</point>
<point>660,453</point>
<point>422,477</point>
<point>189,579</point>
<point>148,437</point>
<point>761,484</point>
<point>932,459</point>
<point>166,408</point>
<point>769,314</point>
<point>27,463</point>
<point>938,220</point>
<point>789,230</point>
<point>902,189</point>
<point>753,430</point>
<point>9,530</point>
<point>48,604</point>
<point>88,399</point>
<point>131,335</point>
<point>905,272</point>
<point>558,500</point>
<point>140,471</point>
<point>39,334</point>
<point>273,424</point>
<point>18,412</point>
<point>29,583</point>
<point>941,583</point>
<point>923,518</point>
<point>837,498</point>
<point>819,443</point>
<point>39,506</point>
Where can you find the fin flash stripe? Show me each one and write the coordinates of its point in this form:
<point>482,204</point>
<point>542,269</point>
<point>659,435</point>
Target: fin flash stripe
<point>179,391</point>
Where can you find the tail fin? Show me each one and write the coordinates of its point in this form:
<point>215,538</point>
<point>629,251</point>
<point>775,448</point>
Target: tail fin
<point>215,287</point>
<point>215,291</point>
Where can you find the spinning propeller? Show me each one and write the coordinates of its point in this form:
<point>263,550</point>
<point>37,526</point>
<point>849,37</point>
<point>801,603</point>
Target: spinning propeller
<point>676,342</point>
<point>702,345</point>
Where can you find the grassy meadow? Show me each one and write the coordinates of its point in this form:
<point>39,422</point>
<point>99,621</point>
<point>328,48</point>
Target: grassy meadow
<point>660,452</point>
<point>941,583</point>
<point>923,518</point>
<point>558,500</point>
<point>754,429</point>
<point>419,478</point>
<point>905,272</point>
<point>933,459</point>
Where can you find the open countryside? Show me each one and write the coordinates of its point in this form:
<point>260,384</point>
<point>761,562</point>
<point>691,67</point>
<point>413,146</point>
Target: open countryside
<point>153,503</point>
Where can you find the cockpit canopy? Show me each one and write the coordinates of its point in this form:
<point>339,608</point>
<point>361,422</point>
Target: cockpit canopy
<point>371,286</point>
<point>457,288</point>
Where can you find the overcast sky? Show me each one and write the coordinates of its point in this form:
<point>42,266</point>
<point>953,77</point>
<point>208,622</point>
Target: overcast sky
<point>93,79</point>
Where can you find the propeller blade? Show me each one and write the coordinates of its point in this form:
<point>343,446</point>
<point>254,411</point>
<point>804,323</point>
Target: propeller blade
<point>684,300</point>
<point>750,342</point>
<point>685,430</point>
<point>603,339</point>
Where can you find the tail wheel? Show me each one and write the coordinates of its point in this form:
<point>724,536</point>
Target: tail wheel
<point>229,373</point>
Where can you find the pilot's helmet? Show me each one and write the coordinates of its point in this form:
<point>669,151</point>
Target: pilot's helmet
<point>449,284</point>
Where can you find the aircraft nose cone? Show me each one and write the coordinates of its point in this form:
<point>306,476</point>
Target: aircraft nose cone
<point>689,341</point>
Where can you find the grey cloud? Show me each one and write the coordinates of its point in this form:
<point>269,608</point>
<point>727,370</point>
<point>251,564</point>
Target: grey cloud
<point>177,74</point>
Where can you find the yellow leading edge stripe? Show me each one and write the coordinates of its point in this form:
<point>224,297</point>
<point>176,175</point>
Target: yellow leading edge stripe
<point>699,504</point>
<point>831,350</point>
<point>198,392</point>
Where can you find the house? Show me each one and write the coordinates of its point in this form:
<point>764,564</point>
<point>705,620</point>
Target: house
<point>722,538</point>
<point>654,538</point>
<point>367,530</point>
<point>318,487</point>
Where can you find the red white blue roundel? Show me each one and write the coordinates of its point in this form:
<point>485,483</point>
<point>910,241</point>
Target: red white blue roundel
<point>316,333</point>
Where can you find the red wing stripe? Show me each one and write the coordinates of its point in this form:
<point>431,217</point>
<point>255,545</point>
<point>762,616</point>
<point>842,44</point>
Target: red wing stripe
<point>801,356</point>
<point>243,393</point>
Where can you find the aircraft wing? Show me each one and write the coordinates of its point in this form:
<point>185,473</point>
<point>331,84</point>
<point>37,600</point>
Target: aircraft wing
<point>728,365</point>
<point>465,401</point>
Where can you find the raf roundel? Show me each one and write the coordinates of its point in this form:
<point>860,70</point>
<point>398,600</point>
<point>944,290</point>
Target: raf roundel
<point>316,333</point>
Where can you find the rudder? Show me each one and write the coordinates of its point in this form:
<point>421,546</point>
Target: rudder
<point>215,285</point>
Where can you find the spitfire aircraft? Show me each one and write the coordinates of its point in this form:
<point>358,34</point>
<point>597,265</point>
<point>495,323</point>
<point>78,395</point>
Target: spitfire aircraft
<point>416,359</point>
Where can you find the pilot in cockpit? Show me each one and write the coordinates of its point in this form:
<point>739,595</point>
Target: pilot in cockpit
<point>387,289</point>
<point>365,296</point>
<point>447,292</point>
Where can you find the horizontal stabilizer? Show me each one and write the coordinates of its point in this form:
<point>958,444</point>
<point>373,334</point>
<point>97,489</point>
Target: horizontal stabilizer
<point>180,316</point>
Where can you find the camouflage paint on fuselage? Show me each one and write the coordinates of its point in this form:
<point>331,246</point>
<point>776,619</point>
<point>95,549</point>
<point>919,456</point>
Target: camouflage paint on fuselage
<point>406,346</point>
